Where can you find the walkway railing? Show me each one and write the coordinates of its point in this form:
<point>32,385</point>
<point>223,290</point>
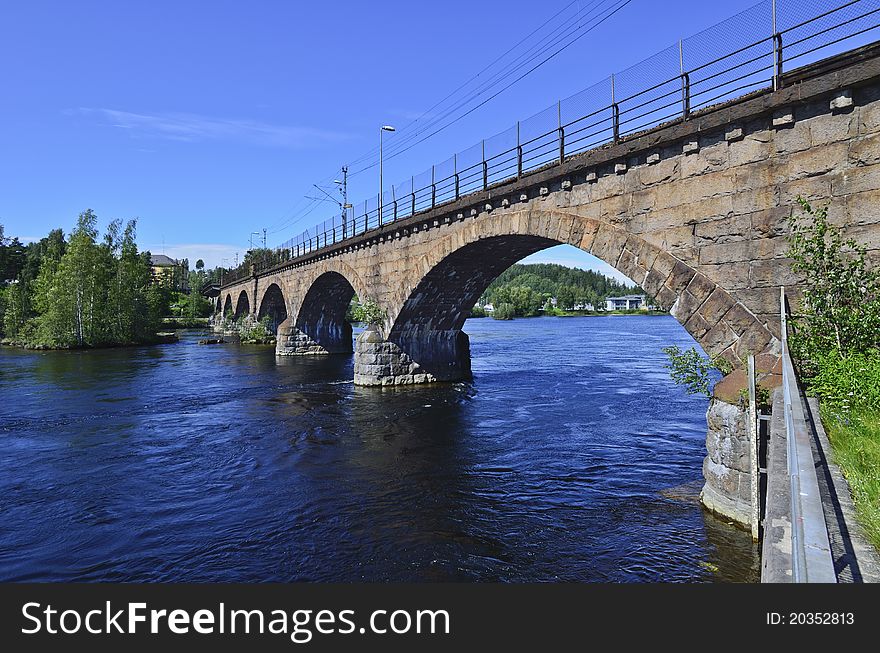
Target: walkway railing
<point>744,54</point>
<point>811,558</point>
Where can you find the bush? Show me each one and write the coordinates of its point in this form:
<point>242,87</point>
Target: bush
<point>256,333</point>
<point>477,311</point>
<point>368,313</point>
<point>693,370</point>
<point>841,301</point>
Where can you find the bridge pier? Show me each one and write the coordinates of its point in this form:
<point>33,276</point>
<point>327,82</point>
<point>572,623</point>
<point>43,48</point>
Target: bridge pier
<point>417,355</point>
<point>331,339</point>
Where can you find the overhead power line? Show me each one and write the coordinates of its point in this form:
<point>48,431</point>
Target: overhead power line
<point>393,154</point>
<point>459,101</point>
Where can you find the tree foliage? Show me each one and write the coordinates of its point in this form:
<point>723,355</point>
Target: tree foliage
<point>835,336</point>
<point>82,292</point>
<point>368,312</point>
<point>841,292</point>
<point>694,371</point>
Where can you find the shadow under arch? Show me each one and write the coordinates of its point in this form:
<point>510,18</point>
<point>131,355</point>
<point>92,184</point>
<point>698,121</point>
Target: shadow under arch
<point>320,320</point>
<point>273,306</point>
<point>227,306</point>
<point>243,305</point>
<point>429,325</point>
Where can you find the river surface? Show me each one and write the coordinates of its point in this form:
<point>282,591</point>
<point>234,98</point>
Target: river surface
<point>571,456</point>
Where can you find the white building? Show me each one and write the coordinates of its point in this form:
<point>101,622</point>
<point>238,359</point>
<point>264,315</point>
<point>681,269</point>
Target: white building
<point>625,303</point>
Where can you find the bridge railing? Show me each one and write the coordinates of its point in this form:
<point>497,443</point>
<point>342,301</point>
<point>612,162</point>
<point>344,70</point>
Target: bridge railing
<point>811,559</point>
<point>743,54</point>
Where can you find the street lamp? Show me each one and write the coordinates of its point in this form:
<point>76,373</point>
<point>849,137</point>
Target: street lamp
<point>382,130</point>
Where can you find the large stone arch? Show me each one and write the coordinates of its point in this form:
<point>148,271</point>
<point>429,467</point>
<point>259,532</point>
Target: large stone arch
<point>317,324</point>
<point>422,335</point>
<point>242,305</point>
<point>227,305</point>
<point>273,305</point>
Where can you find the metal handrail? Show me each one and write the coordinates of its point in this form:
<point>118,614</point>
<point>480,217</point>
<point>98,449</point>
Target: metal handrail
<point>640,110</point>
<point>811,560</point>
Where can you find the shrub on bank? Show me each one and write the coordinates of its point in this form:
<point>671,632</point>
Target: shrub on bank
<point>256,333</point>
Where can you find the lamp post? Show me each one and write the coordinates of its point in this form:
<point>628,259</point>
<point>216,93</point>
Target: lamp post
<point>382,130</point>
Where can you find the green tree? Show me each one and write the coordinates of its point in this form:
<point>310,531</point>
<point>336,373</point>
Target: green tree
<point>12,257</point>
<point>841,293</point>
<point>17,309</point>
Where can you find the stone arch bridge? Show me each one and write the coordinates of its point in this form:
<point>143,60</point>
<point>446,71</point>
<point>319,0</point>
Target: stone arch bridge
<point>695,212</point>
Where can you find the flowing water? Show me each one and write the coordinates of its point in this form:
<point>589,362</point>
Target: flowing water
<point>571,456</point>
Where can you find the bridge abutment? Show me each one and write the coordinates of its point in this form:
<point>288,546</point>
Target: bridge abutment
<point>416,356</point>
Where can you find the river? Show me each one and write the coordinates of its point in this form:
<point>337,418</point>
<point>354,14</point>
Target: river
<point>571,456</point>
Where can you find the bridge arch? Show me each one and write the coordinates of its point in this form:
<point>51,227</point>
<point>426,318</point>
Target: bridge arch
<point>320,322</point>
<point>242,305</point>
<point>317,323</point>
<point>273,305</point>
<point>227,305</point>
<point>424,325</point>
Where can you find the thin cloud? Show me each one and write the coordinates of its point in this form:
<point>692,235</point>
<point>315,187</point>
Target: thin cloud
<point>190,128</point>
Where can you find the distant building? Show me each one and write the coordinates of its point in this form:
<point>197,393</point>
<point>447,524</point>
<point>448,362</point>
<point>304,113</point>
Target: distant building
<point>625,303</point>
<point>488,308</point>
<point>168,272</point>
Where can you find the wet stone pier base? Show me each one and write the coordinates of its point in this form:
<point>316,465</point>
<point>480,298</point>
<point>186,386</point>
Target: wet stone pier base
<point>292,341</point>
<point>728,488</point>
<point>423,357</point>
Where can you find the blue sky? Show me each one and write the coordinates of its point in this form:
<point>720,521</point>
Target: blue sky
<point>210,120</point>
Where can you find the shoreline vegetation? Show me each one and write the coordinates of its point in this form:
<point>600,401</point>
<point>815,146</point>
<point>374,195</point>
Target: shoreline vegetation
<point>835,342</point>
<point>561,313</point>
<point>82,292</point>
<point>92,292</point>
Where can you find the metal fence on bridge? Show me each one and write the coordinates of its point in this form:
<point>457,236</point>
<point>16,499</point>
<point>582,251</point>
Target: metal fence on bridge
<point>745,53</point>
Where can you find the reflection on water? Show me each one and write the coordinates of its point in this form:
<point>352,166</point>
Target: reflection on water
<point>571,457</point>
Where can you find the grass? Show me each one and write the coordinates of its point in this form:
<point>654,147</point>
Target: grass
<point>855,439</point>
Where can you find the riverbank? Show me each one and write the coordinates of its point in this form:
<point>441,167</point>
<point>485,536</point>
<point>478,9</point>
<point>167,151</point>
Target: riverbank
<point>173,323</point>
<point>561,313</point>
<point>161,338</point>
